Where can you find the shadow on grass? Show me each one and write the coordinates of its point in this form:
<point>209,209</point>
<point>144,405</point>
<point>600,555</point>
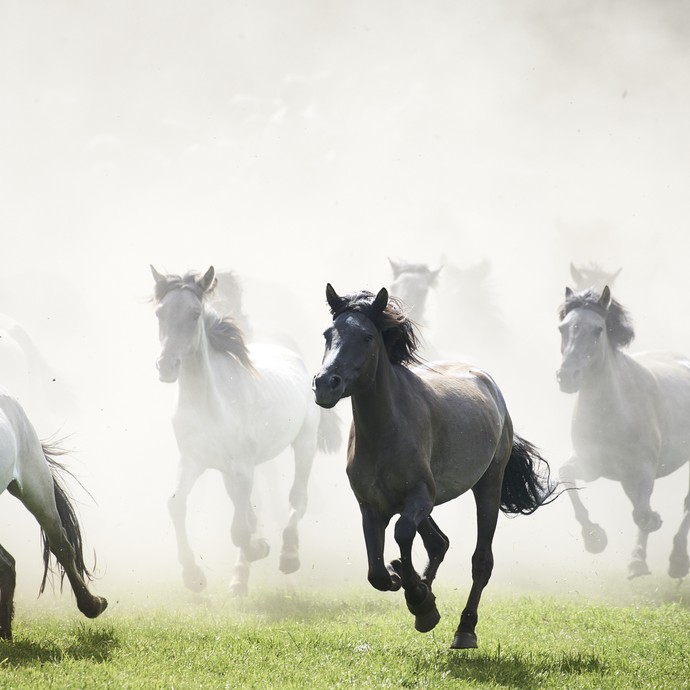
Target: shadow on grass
<point>83,643</point>
<point>526,672</point>
<point>275,606</point>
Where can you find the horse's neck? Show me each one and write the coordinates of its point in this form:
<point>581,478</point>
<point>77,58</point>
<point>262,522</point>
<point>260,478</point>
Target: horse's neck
<point>609,387</point>
<point>200,376</point>
<point>376,407</point>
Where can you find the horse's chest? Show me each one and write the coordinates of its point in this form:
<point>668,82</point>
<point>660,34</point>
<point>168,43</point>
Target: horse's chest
<point>380,485</point>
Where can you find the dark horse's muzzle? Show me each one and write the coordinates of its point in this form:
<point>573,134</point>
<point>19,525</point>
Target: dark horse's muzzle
<point>328,389</point>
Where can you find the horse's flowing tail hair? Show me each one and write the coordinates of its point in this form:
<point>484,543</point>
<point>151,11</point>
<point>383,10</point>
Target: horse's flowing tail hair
<point>330,434</point>
<point>68,518</point>
<point>527,482</point>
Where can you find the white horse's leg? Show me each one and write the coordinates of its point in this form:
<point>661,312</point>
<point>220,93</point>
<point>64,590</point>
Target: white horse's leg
<point>38,495</point>
<point>679,563</point>
<point>239,483</point>
<point>639,491</point>
<point>192,575</point>
<point>8,579</point>
<point>593,535</point>
<point>305,450</point>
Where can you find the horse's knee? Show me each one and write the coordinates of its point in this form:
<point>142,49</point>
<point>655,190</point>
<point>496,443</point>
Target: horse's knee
<point>405,531</point>
<point>647,520</point>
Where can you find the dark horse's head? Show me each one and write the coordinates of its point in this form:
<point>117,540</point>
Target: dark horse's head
<point>591,323</point>
<point>364,325</point>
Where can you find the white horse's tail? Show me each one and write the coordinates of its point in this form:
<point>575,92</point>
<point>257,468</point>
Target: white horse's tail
<point>330,435</point>
<point>68,518</point>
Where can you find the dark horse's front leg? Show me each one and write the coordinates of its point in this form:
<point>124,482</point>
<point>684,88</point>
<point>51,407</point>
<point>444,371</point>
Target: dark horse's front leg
<point>420,599</point>
<point>380,576</point>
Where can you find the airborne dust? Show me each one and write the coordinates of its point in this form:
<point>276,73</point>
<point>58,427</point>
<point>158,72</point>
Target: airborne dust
<point>306,142</point>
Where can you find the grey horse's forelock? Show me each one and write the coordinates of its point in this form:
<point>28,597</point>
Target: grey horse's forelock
<point>619,326</point>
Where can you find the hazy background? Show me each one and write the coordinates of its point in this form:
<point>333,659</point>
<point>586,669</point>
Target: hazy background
<point>305,142</point>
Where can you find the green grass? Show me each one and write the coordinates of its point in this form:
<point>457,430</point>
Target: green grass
<point>352,639</point>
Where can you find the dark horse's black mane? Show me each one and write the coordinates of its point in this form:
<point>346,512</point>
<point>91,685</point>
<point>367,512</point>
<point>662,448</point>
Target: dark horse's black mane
<point>398,331</point>
<point>619,325</point>
<point>223,332</point>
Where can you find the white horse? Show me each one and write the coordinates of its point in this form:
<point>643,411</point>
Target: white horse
<point>630,423</point>
<point>237,407</point>
<point>29,473</point>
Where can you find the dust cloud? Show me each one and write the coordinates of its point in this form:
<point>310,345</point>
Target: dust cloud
<point>306,142</point>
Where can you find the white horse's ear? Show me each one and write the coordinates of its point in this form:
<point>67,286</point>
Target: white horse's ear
<point>381,301</point>
<point>576,273</point>
<point>568,293</point>
<point>158,277</point>
<point>208,280</point>
<point>605,299</point>
<point>395,267</point>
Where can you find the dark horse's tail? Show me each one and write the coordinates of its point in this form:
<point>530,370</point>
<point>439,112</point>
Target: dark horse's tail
<point>68,518</point>
<point>527,482</point>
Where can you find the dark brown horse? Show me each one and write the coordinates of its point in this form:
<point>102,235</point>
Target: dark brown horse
<point>420,437</point>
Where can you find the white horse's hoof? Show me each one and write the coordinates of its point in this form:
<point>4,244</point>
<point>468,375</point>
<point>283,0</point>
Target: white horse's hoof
<point>595,538</point>
<point>637,568</point>
<point>258,549</point>
<point>194,579</point>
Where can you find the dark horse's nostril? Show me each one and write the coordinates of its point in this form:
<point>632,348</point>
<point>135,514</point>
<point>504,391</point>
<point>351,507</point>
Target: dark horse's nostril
<point>335,381</point>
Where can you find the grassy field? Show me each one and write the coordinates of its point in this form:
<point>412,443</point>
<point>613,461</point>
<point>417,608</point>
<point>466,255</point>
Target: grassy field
<point>354,639</point>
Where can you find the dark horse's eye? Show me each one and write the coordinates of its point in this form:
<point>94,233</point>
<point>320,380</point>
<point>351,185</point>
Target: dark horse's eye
<point>368,337</point>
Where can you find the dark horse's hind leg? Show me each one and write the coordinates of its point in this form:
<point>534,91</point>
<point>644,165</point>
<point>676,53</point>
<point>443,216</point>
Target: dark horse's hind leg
<point>487,495</point>
<point>8,579</point>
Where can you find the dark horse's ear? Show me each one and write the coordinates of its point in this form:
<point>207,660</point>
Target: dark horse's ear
<point>158,277</point>
<point>605,299</point>
<point>208,280</point>
<point>381,301</point>
<point>335,301</point>
<point>568,293</point>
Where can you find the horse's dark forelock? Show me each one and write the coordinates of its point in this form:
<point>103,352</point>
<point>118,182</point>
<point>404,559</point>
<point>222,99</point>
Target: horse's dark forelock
<point>189,280</point>
<point>397,329</point>
<point>619,325</point>
<point>226,336</point>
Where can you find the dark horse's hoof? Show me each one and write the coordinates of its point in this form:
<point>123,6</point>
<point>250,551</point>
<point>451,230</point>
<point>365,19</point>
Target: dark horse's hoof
<point>426,615</point>
<point>464,640</point>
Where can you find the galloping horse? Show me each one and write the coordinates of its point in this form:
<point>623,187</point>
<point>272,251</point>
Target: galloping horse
<point>421,437</point>
<point>30,473</point>
<point>237,407</point>
<point>411,283</point>
<point>630,422</point>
